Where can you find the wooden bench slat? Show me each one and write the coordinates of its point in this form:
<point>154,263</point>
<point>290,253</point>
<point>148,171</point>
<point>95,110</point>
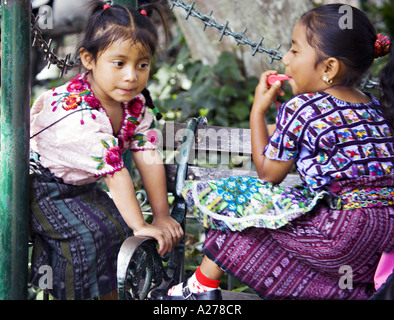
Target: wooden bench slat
<point>224,140</point>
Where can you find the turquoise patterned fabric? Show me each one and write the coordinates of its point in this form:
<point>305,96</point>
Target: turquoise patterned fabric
<point>237,203</point>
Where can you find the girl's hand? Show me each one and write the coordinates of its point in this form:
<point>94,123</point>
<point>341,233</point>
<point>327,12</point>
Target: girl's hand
<point>171,229</point>
<point>265,94</point>
<point>150,231</point>
<point>154,180</point>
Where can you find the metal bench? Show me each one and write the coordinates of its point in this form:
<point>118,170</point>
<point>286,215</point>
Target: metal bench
<point>142,273</point>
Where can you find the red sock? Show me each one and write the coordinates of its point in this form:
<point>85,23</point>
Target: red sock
<point>198,283</point>
<point>205,281</point>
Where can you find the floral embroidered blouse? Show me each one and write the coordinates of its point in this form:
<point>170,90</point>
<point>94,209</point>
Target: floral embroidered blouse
<point>332,139</point>
<point>74,136</point>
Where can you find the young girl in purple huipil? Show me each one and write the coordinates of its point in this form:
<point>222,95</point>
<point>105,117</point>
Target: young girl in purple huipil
<point>292,243</point>
<point>79,133</point>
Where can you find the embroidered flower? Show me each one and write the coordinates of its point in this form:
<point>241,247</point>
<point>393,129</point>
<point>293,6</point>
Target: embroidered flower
<point>135,107</point>
<point>228,197</point>
<point>153,137</point>
<point>220,183</point>
<point>236,192</point>
<point>243,187</point>
<point>241,199</point>
<point>77,95</point>
<point>253,188</point>
<point>92,101</point>
<point>77,85</point>
<point>113,156</point>
<point>231,184</point>
<point>232,206</point>
<point>71,102</point>
<point>131,124</point>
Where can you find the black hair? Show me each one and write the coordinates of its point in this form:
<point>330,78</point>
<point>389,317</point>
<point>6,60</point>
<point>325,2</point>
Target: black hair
<point>107,25</point>
<point>352,44</point>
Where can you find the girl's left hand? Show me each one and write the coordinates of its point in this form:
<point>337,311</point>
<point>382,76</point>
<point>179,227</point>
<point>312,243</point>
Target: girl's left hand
<point>171,228</point>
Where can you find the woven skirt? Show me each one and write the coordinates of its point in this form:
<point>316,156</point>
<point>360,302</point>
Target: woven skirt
<point>323,253</point>
<point>77,232</point>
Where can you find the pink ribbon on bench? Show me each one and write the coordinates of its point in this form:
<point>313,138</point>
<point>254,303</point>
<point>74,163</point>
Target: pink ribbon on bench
<point>384,269</point>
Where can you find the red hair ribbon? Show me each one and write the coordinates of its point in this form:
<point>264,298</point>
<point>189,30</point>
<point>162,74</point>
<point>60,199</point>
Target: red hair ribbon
<point>382,46</point>
<point>144,12</point>
<point>106,6</point>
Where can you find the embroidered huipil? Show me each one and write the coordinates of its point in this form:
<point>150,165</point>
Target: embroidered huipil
<point>332,139</point>
<point>74,137</point>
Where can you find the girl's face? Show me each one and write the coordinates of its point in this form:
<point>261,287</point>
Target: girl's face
<point>119,73</point>
<point>300,63</point>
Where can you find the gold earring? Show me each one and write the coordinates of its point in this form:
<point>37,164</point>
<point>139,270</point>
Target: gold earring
<point>327,81</point>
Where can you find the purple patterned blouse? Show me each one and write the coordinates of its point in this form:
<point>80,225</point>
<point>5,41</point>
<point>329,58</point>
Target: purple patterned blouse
<point>332,139</point>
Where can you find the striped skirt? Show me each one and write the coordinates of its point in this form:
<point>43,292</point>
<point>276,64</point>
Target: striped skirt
<point>324,254</point>
<point>77,231</point>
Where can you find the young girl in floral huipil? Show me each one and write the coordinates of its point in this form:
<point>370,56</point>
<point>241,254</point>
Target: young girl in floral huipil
<point>298,242</point>
<point>79,133</point>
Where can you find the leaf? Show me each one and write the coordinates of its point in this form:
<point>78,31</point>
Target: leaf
<point>132,120</point>
<point>227,67</point>
<point>212,185</point>
<point>203,75</point>
<point>84,93</point>
<point>100,166</point>
<point>240,110</point>
<point>138,136</point>
<point>222,206</point>
<point>227,91</point>
<point>258,196</point>
<point>204,112</point>
<point>97,159</point>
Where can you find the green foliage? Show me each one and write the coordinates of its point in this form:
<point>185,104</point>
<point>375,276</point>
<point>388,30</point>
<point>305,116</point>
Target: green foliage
<point>183,88</point>
<point>388,15</point>
<point>382,16</point>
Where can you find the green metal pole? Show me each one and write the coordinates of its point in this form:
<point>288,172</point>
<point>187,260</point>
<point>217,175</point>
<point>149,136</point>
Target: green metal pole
<point>14,148</point>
